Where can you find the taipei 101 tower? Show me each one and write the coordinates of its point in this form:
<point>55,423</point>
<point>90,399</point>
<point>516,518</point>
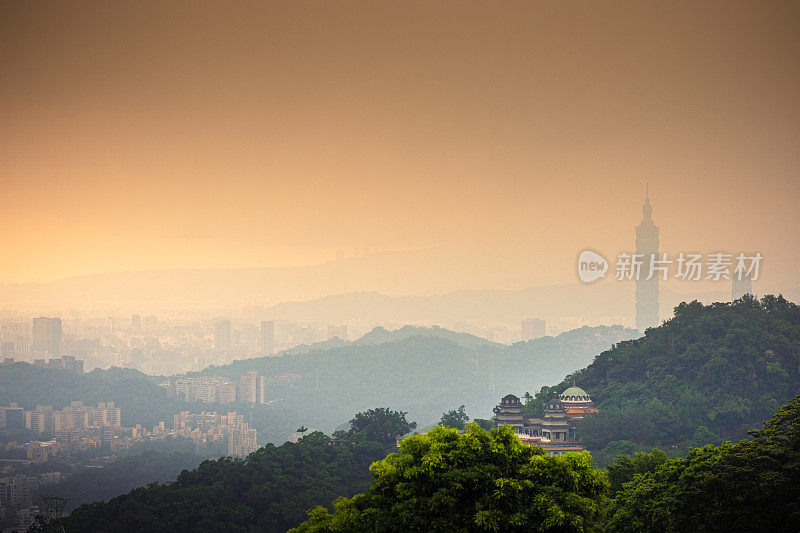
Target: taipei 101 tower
<point>647,289</point>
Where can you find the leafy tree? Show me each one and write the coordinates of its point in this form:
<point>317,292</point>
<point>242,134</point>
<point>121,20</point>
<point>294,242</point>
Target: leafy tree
<point>625,467</point>
<point>485,423</point>
<point>703,436</point>
<point>534,405</point>
<point>750,486</point>
<point>616,448</point>
<point>456,419</point>
<point>478,481</point>
<point>381,425</point>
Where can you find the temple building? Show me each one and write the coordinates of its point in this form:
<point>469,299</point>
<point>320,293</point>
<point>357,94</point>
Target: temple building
<point>556,430</point>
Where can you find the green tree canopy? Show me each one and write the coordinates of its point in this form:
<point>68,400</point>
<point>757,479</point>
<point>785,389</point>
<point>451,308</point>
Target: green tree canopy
<point>456,419</point>
<point>750,486</point>
<point>478,481</point>
<point>381,425</point>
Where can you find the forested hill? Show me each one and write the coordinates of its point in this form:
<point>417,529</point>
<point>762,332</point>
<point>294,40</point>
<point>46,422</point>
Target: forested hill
<point>270,490</point>
<point>708,374</point>
<point>381,335</point>
<point>141,399</point>
<point>424,371</point>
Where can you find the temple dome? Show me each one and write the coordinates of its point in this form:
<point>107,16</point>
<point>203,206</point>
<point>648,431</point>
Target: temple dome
<point>574,394</point>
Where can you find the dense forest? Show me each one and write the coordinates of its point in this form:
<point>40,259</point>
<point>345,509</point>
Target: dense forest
<point>271,490</point>
<point>490,481</point>
<point>130,471</point>
<point>709,374</point>
<point>470,481</point>
<point>753,485</point>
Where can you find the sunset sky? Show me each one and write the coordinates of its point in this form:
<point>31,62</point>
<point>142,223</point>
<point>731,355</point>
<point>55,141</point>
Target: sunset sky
<point>510,135</point>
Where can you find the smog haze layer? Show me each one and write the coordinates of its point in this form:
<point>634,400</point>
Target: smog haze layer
<point>466,146</point>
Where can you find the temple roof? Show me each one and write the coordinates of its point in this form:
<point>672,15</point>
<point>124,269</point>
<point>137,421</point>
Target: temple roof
<point>575,394</point>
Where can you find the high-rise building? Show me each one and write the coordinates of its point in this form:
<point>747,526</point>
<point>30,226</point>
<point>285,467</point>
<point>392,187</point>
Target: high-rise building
<point>533,328</point>
<point>253,388</point>
<point>108,415</point>
<point>12,416</point>
<point>44,419</point>
<point>77,415</point>
<point>222,335</point>
<point>267,337</point>
<point>226,392</point>
<point>647,253</point>
<point>741,284</point>
<point>251,339</point>
<point>69,362</point>
<point>22,346</point>
<point>47,335</point>
<point>66,362</point>
<point>17,492</point>
<point>14,330</point>
<point>339,331</point>
<point>242,439</point>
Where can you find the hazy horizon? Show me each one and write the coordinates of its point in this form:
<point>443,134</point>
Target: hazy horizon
<point>492,145</point>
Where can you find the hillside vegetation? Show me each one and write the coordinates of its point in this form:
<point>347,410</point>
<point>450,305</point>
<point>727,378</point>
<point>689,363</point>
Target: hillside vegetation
<point>269,491</point>
<point>753,485</point>
<point>709,374</point>
<point>478,481</point>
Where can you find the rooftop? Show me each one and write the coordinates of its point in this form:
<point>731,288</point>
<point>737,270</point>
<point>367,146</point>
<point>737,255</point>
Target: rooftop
<point>575,394</point>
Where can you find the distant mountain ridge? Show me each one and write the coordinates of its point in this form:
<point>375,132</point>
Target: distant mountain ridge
<point>419,370</point>
<point>381,335</point>
<point>338,292</point>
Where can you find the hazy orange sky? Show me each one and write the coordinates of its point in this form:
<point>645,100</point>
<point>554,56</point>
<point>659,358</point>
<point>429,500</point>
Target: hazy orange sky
<point>149,135</point>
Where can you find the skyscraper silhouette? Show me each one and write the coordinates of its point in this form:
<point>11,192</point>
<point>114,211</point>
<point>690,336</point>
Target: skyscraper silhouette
<point>47,336</point>
<point>222,336</point>
<point>741,284</point>
<point>267,337</point>
<point>647,251</point>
